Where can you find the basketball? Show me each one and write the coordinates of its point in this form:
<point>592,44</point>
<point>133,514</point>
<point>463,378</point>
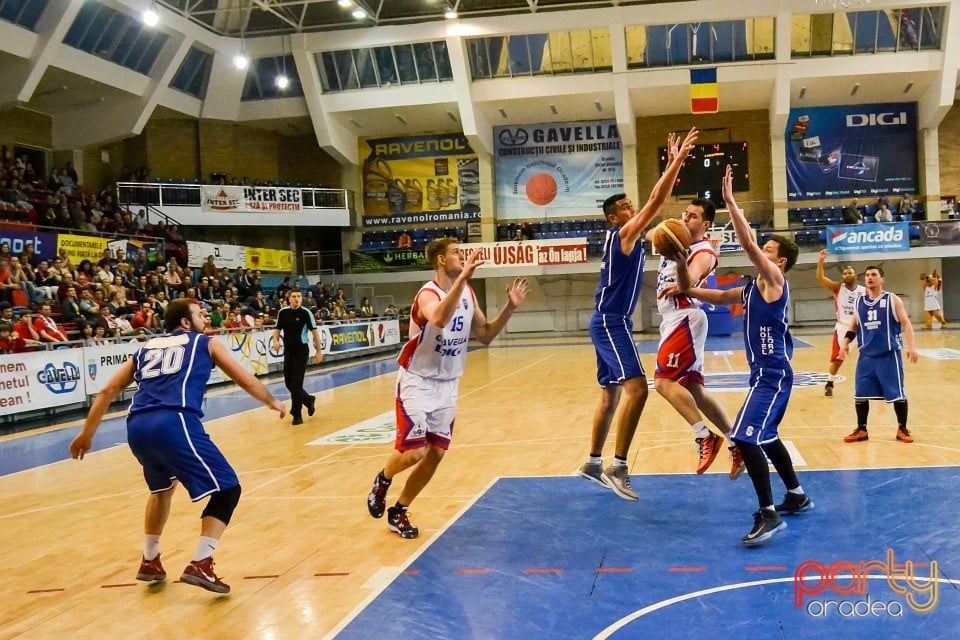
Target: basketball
<point>671,238</point>
<point>541,189</point>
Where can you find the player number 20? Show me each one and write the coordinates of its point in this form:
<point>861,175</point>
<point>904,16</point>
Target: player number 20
<point>162,362</point>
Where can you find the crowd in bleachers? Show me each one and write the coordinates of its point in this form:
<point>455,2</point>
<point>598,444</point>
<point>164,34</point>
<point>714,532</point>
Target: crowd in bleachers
<point>417,239</point>
<point>809,223</point>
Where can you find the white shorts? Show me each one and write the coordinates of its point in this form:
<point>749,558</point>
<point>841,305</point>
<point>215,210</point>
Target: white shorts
<point>683,339</point>
<point>426,409</point>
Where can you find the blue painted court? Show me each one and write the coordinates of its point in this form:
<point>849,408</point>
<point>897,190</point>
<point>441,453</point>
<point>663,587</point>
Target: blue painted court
<point>562,558</point>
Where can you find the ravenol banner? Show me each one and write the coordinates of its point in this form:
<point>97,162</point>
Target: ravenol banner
<point>844,151</point>
<point>413,174</point>
<point>869,238</point>
<point>556,170</point>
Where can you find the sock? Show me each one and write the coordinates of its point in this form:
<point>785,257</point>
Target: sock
<point>769,508</point>
<point>401,507</point>
<point>205,548</point>
<point>384,480</point>
<point>829,378</point>
<point>595,459</point>
<point>700,429</point>
<point>863,410</point>
<point>798,490</point>
<point>619,462</point>
<point>151,546</point>
<point>900,408</point>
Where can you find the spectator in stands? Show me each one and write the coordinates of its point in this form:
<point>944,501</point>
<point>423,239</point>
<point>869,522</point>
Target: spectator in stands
<point>88,306</point>
<point>282,290</point>
<point>6,313</point>
<point>10,340</point>
<point>231,324</point>
<point>258,303</point>
<point>526,230</point>
<point>85,274</point>
<point>66,263</point>
<point>29,257</point>
<point>883,200</point>
<point>19,278</point>
<point>5,250</point>
<point>323,312</point>
<point>104,278</point>
<point>391,311</point>
<point>145,318</point>
<point>46,281</point>
<point>404,240</point>
<point>70,307</point>
<point>154,284</point>
<point>883,213</point>
<point>122,325</point>
<point>141,265</point>
<point>140,221</point>
<point>366,309</point>
<point>852,215</point>
<point>310,301</point>
<point>25,329</point>
<point>46,327</point>
<point>908,205</point>
<point>208,269</point>
<point>205,291</point>
<point>66,282</point>
<point>86,334</point>
<point>171,277</point>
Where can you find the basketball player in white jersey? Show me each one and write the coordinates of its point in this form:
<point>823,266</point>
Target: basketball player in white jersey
<point>443,318</point>
<point>931,285</point>
<point>683,337</point>
<point>845,294</point>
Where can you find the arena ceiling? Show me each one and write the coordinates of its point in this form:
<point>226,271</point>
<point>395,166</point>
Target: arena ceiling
<point>264,17</point>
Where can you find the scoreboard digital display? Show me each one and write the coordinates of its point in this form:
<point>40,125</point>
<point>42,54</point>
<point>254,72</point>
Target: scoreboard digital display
<point>703,170</point>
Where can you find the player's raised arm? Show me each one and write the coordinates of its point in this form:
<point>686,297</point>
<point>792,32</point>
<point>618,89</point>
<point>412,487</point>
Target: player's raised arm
<point>769,271</point>
<point>825,282</point>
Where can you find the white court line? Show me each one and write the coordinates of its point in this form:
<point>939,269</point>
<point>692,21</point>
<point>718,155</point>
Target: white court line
<point>622,622</point>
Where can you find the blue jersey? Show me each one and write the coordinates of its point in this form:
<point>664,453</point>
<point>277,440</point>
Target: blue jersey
<point>766,332</point>
<point>172,372</point>
<point>878,328</point>
<point>620,277</point>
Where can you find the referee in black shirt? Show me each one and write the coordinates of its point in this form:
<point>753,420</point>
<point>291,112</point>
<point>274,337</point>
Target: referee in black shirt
<point>296,324</point>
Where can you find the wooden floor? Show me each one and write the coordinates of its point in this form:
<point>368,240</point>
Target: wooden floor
<point>303,553</point>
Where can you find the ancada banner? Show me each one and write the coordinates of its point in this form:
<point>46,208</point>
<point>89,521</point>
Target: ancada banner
<point>556,170</point>
<point>869,238</point>
<point>231,198</point>
<point>846,151</point>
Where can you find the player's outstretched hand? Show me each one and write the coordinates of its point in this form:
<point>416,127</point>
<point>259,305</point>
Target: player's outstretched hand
<point>726,185</point>
<point>689,142</point>
<point>517,292</point>
<point>80,445</point>
<point>470,265</point>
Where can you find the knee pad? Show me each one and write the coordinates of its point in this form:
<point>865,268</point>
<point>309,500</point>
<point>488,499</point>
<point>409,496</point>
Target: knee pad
<point>222,504</point>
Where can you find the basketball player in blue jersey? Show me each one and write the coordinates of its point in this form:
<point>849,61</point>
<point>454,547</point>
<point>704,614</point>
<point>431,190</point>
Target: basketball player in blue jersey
<point>769,347</point>
<point>619,372</point>
<point>444,316</point>
<point>166,436</point>
<point>877,324</point>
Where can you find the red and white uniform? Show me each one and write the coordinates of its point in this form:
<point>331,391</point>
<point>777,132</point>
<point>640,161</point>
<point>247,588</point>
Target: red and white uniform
<point>431,363</point>
<point>845,305</point>
<point>683,324</point>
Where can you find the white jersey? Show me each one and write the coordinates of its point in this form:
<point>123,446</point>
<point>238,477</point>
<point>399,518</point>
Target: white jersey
<point>667,275</point>
<point>931,299</point>
<point>436,353</point>
<point>845,303</point>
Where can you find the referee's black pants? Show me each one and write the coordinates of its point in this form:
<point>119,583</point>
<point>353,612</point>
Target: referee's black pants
<point>294,370</point>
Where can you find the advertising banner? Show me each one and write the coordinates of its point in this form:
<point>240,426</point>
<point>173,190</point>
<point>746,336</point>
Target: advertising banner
<point>419,176</point>
<point>224,255</point>
<point>556,170</point>
<point>30,381</point>
<point>79,248</point>
<point>44,244</point>
<point>528,253</point>
<point>102,362</point>
<point>237,199</point>
<point>468,214</point>
<point>132,247</point>
<point>935,234</point>
<point>842,151</point>
<point>869,238</point>
<point>269,259</point>
<point>388,260</point>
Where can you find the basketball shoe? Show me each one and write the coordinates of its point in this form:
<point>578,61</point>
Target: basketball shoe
<point>795,503</point>
<point>737,466</point>
<point>904,436</point>
<point>151,570</point>
<point>311,402</point>
<point>828,390</point>
<point>377,498</point>
<point>593,471</point>
<point>398,521</point>
<point>709,448</point>
<point>201,574</point>
<point>857,435</point>
<point>766,522</point>
<point>618,479</point>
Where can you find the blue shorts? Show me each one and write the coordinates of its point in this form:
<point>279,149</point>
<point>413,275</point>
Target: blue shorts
<point>173,445</point>
<point>617,357</point>
<point>758,421</point>
<point>880,377</point>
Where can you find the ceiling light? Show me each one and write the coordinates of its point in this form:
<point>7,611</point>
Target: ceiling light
<point>241,61</point>
<point>503,113</point>
<point>359,13</point>
<point>282,81</point>
<point>450,14</point>
<point>150,18</point>
<point>344,3</point>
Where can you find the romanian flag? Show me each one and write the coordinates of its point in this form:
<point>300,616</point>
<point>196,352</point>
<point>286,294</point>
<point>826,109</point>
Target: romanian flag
<point>704,94</point>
